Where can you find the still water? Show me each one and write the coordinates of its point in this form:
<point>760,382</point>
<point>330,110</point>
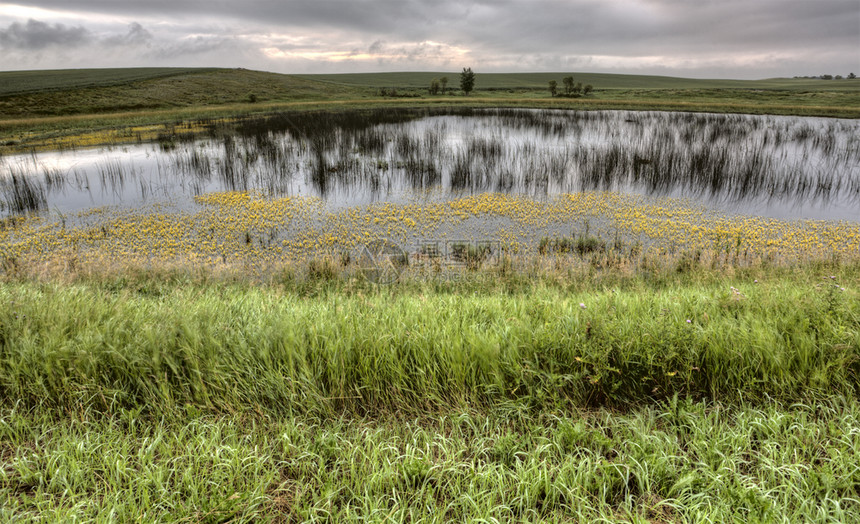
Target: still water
<point>781,167</point>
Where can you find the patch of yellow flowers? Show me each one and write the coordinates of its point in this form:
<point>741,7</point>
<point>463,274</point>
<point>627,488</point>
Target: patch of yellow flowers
<point>252,230</point>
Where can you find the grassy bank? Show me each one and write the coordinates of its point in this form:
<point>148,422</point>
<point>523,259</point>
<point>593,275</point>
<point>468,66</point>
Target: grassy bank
<point>428,346</point>
<point>706,395</point>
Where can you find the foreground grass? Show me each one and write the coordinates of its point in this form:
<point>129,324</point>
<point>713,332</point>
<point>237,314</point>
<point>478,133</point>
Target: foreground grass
<point>708,395</point>
<point>677,462</point>
<point>429,346</point>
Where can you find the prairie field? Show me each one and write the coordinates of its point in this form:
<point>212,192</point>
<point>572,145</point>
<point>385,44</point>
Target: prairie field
<point>50,109</point>
<point>324,304</point>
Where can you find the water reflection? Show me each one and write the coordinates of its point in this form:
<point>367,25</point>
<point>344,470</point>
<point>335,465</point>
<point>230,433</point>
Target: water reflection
<point>786,167</point>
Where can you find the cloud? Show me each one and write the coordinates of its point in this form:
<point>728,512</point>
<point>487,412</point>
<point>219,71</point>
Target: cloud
<point>137,35</point>
<point>376,47</point>
<point>403,54</point>
<point>190,46</point>
<point>35,35</point>
<point>744,38</point>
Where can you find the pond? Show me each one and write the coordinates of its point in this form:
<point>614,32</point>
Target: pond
<point>772,166</point>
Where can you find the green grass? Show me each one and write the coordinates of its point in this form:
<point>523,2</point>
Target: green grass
<point>14,82</point>
<point>169,396</point>
<point>675,394</point>
<point>36,107</point>
<point>427,346</point>
<point>96,91</point>
<point>677,462</point>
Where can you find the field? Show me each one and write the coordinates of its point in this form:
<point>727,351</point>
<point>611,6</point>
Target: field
<point>611,357</point>
<point>539,81</point>
<point>55,109</point>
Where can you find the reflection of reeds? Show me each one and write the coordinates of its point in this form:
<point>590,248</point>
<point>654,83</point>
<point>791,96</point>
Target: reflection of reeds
<point>731,158</point>
<point>22,193</point>
<point>54,180</point>
<point>113,175</point>
<point>714,156</point>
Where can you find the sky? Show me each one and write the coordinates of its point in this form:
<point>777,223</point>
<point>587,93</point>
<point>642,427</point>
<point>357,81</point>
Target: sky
<point>745,39</point>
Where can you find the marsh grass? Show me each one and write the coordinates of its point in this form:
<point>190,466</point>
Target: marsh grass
<point>22,193</point>
<point>522,392</point>
<point>316,345</point>
<point>580,245</point>
<point>721,160</point>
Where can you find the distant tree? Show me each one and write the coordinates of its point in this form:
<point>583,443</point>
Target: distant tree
<point>827,77</point>
<point>434,86</point>
<point>467,80</point>
<point>852,76</point>
<point>587,89</point>
<point>577,88</point>
<point>568,84</point>
<point>444,82</point>
<point>553,87</point>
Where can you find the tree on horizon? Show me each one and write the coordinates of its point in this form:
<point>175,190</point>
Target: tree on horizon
<point>568,85</point>
<point>467,80</point>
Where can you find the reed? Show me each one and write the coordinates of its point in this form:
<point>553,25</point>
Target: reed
<point>734,161</point>
<point>23,193</point>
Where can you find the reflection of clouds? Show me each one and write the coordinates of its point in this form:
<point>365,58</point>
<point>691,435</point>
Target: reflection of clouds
<point>786,167</point>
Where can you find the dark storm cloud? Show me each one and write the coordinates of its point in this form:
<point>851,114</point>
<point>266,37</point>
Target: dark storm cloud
<point>766,24</point>
<point>510,21</point>
<point>137,35</point>
<point>656,27</point>
<point>35,35</point>
<point>365,15</point>
<point>794,35</point>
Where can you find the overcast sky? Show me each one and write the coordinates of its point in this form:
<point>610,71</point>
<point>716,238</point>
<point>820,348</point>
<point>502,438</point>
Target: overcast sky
<point>694,38</point>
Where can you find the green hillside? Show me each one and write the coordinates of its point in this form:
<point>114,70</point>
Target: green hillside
<point>65,108</point>
<point>26,94</point>
<point>49,93</point>
<point>14,82</point>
